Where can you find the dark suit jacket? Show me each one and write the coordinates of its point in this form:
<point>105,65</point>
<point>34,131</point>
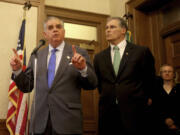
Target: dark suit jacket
<point>131,88</point>
<point>63,100</point>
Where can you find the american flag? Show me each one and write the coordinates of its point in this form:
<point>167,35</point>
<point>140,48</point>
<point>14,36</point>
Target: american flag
<point>17,108</point>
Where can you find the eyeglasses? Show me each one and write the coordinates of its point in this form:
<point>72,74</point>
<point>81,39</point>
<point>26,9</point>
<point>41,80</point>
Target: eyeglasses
<point>167,71</point>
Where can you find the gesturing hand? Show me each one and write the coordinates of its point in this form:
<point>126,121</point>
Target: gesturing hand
<point>78,60</point>
<point>15,61</point>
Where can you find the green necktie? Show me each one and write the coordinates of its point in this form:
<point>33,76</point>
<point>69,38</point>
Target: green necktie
<point>117,59</point>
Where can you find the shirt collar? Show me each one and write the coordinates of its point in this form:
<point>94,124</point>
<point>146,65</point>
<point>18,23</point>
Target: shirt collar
<point>59,48</point>
<point>121,45</point>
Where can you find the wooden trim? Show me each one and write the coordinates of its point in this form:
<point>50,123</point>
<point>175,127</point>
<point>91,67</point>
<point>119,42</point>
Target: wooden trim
<point>172,28</point>
<point>2,121</point>
<point>148,5</point>
<point>83,18</point>
<point>40,20</point>
<point>33,2</point>
<point>75,14</point>
<point>81,41</point>
<point>3,129</point>
<point>2,124</point>
<point>135,3</point>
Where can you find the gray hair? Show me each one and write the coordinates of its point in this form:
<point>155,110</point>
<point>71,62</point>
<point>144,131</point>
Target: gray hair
<point>52,18</point>
<point>122,22</point>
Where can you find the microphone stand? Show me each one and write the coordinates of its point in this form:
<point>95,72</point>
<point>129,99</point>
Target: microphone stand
<point>34,99</point>
<point>42,42</point>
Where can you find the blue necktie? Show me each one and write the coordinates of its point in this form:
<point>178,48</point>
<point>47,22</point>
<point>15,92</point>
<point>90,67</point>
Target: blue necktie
<point>51,67</point>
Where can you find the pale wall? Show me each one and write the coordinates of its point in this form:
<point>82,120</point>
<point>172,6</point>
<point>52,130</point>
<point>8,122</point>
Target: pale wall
<point>95,6</point>
<point>117,7</point>
<point>107,7</point>
<point>11,18</point>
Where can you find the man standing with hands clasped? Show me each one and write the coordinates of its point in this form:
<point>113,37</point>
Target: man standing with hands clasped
<point>62,70</point>
<point>125,72</point>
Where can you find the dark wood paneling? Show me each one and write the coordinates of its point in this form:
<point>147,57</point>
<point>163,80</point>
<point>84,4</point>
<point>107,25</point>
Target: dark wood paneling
<point>169,29</point>
<point>150,27</point>
<point>3,129</point>
<point>141,30</point>
<point>171,12</point>
<point>151,5</point>
<point>172,46</point>
<point>155,26</point>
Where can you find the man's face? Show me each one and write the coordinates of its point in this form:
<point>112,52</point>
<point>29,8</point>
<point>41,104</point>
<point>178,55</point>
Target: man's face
<point>167,73</point>
<point>54,32</point>
<point>114,33</point>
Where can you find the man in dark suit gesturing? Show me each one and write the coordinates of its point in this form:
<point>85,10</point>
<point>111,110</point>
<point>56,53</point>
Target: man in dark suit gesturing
<point>62,70</point>
<point>125,72</point>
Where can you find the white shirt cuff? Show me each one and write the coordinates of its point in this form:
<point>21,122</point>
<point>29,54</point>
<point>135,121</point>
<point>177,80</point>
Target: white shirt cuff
<point>83,72</point>
<point>16,73</point>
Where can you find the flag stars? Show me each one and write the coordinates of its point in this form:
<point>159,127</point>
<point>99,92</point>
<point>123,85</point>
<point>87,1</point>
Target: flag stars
<point>19,45</point>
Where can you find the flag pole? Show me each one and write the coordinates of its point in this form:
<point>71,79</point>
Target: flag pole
<point>128,32</point>
<point>27,6</point>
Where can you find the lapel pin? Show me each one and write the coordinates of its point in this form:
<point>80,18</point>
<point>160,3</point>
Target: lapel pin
<point>68,57</point>
<point>127,53</point>
<point>70,63</point>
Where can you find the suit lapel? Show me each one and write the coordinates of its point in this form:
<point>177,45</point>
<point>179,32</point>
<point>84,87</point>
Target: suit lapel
<point>108,63</point>
<point>42,64</point>
<point>65,60</point>
<point>125,58</point>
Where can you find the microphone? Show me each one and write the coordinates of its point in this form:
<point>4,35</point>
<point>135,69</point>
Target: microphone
<point>41,43</point>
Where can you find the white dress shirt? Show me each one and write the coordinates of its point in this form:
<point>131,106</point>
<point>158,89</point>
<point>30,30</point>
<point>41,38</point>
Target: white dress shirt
<point>59,53</point>
<point>121,46</point>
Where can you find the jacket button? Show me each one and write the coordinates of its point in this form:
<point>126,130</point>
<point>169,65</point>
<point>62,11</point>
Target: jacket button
<point>116,84</point>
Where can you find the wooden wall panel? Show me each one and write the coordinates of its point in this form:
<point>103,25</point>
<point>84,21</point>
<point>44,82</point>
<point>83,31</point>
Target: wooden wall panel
<point>172,46</point>
<point>152,21</point>
<point>3,129</point>
<point>142,30</point>
<point>155,26</point>
<point>171,13</point>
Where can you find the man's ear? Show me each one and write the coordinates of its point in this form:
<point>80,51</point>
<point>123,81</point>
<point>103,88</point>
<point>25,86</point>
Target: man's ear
<point>124,30</point>
<point>44,34</point>
<point>64,31</point>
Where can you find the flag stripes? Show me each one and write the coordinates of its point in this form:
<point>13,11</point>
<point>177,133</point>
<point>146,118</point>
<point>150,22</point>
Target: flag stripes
<point>17,108</point>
